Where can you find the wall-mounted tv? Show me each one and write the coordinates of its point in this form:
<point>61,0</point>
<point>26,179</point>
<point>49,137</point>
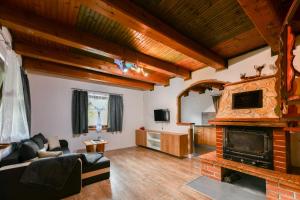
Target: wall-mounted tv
<point>246,100</point>
<point>161,115</point>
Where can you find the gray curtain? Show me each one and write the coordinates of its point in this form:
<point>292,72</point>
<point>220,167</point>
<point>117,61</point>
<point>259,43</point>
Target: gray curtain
<point>27,99</point>
<point>115,113</point>
<point>216,100</point>
<point>80,112</point>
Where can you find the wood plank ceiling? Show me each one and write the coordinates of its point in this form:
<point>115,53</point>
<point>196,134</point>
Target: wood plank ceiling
<point>168,38</point>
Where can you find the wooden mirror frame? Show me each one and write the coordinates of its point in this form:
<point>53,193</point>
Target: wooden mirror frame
<point>287,74</point>
<point>199,87</point>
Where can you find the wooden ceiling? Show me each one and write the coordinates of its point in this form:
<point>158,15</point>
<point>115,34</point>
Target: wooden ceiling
<point>169,38</point>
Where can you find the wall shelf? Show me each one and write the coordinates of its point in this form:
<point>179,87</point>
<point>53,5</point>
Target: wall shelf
<point>153,140</point>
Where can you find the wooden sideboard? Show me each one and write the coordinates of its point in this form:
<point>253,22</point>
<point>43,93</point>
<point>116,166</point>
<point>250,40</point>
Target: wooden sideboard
<point>168,142</point>
<point>205,135</point>
<point>141,137</point>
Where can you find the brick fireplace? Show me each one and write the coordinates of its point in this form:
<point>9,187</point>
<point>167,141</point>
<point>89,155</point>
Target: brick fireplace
<point>280,147</point>
<point>279,183</point>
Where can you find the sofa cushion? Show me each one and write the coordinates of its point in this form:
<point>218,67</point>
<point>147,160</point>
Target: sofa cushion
<point>38,140</point>
<point>5,150</point>
<point>45,148</point>
<point>47,154</point>
<point>53,143</point>
<point>90,158</point>
<point>94,161</point>
<point>11,159</point>
<point>28,150</point>
<point>65,150</point>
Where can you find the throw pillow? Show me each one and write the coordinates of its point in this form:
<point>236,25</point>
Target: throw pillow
<point>38,140</point>
<point>43,138</point>
<point>47,154</point>
<point>45,148</point>
<point>28,150</point>
<point>53,143</point>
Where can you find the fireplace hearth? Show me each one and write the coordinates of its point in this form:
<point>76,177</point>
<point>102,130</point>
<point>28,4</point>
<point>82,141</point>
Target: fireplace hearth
<point>249,145</point>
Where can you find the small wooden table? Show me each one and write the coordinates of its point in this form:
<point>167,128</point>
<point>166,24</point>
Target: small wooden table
<point>95,145</point>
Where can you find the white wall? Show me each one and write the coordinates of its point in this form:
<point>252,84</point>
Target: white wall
<point>51,111</point>
<point>193,105</point>
<point>166,97</point>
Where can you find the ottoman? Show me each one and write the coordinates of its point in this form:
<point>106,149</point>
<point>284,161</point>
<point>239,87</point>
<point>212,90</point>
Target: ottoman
<point>95,167</point>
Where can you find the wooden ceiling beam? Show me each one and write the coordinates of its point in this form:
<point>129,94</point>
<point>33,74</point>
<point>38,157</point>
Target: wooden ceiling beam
<point>49,68</point>
<point>290,13</point>
<point>59,33</point>
<point>266,19</point>
<point>127,13</point>
<point>85,62</point>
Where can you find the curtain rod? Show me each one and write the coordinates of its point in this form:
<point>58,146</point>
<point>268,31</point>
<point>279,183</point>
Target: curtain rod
<point>97,91</point>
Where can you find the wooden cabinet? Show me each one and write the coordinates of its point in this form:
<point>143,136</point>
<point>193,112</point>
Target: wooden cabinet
<point>141,137</point>
<point>205,135</point>
<point>174,144</point>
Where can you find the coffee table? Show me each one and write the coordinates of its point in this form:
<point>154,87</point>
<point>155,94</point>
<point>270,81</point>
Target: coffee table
<point>95,145</point>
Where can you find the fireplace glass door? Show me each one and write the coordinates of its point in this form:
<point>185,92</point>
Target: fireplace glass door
<point>253,145</point>
<point>248,143</point>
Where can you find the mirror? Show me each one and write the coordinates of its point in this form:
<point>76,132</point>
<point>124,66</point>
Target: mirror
<point>197,108</point>
<point>197,102</point>
<point>196,105</point>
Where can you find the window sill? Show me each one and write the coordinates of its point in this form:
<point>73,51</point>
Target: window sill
<point>103,130</point>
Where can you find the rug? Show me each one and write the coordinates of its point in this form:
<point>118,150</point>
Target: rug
<point>224,191</point>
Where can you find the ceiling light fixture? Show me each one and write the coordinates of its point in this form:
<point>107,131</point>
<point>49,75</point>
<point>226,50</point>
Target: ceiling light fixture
<point>125,66</point>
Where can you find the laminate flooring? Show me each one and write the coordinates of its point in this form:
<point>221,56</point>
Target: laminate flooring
<point>140,174</point>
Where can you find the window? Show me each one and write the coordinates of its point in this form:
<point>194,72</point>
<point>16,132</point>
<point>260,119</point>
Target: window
<point>97,111</point>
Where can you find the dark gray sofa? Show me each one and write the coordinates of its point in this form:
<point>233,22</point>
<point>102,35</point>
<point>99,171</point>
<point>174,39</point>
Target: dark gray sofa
<point>89,168</point>
<point>12,167</point>
<point>12,189</point>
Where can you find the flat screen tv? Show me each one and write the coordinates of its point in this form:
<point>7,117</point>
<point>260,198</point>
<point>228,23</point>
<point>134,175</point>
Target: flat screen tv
<point>246,100</point>
<point>161,115</point>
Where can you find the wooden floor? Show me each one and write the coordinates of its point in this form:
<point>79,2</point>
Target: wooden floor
<point>138,173</point>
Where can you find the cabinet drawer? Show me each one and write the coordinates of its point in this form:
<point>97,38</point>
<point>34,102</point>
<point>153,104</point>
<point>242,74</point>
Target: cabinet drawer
<point>205,135</point>
<point>174,144</point>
